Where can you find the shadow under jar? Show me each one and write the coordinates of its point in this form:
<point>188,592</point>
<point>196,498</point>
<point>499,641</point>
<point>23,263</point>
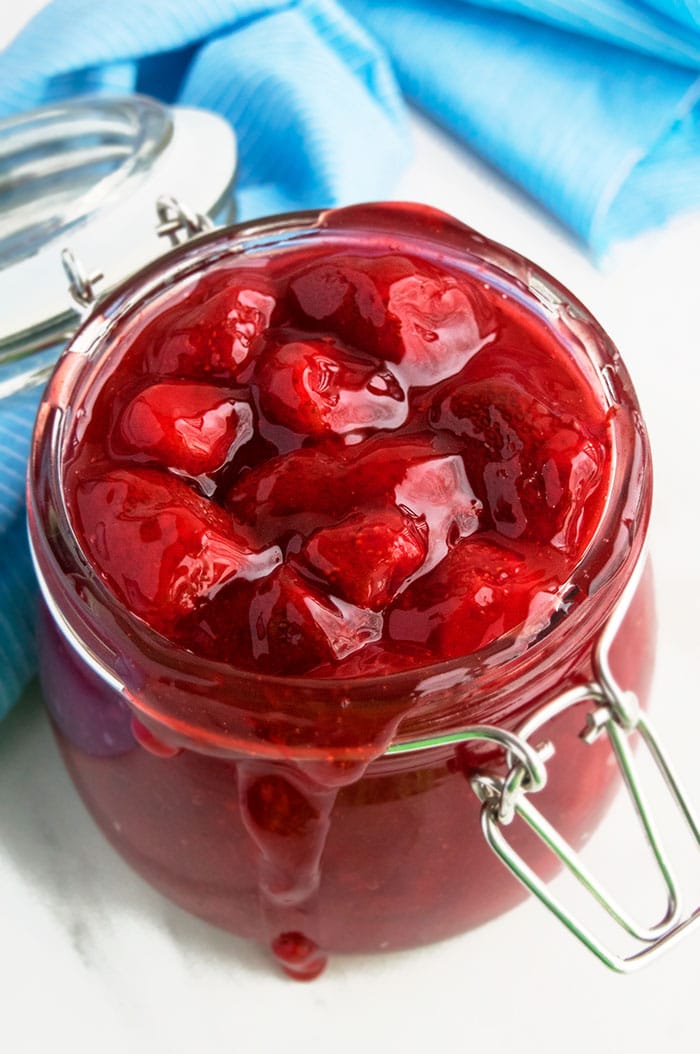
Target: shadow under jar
<point>263,798</point>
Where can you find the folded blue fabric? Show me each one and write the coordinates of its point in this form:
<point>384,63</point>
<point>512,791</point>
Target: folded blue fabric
<point>652,28</point>
<point>591,107</point>
<point>685,11</point>
<point>606,137</point>
<point>17,587</point>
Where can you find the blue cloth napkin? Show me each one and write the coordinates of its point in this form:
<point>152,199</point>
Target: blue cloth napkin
<point>651,27</point>
<point>606,137</point>
<point>591,107</point>
<point>17,587</point>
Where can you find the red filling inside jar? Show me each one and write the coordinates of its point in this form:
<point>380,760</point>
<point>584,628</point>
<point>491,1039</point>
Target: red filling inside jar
<point>353,463</point>
<point>342,460</point>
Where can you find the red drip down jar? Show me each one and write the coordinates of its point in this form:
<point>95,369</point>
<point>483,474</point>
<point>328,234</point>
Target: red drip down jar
<point>265,774</point>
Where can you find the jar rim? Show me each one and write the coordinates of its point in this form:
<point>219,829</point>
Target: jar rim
<point>605,566</point>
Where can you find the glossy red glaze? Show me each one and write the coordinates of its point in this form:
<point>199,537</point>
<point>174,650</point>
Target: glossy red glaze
<point>462,465</point>
<point>329,486</point>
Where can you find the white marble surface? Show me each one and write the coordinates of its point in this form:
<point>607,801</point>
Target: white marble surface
<point>92,960</point>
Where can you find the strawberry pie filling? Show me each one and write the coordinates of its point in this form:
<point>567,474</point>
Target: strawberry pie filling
<point>355,462</point>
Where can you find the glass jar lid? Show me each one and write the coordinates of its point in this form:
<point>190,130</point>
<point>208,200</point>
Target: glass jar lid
<point>84,175</point>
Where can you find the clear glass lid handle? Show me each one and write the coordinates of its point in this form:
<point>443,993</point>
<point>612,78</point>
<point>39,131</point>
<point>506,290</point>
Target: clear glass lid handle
<point>79,185</point>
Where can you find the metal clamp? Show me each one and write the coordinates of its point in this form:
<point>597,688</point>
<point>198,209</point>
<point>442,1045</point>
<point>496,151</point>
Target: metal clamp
<point>494,817</point>
<point>81,285</point>
<point>616,713</point>
<point>178,221</point>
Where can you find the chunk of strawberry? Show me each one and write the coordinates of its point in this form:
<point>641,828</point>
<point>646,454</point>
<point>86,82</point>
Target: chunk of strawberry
<point>368,556</point>
<point>216,338</point>
<point>347,296</point>
<point>538,470</point>
<point>438,492</point>
<point>189,427</point>
<point>373,471</point>
<point>280,625</point>
<point>438,319</point>
<point>397,309</point>
<point>315,387</point>
<point>476,594</point>
<point>160,547</point>
<point>294,627</point>
<point>315,487</point>
<point>298,491</point>
<point>219,627</point>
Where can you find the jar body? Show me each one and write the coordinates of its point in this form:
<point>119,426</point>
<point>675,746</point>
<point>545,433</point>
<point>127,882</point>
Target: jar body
<point>267,805</point>
<point>393,859</point>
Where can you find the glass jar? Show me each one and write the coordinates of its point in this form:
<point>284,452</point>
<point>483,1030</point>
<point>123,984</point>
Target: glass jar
<point>322,815</point>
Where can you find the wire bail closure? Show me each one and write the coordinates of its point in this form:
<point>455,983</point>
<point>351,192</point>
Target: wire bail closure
<point>176,221</point>
<point>617,714</point>
<point>81,286</point>
<point>179,222</point>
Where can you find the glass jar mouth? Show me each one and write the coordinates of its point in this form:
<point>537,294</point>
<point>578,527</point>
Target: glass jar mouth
<point>604,568</point>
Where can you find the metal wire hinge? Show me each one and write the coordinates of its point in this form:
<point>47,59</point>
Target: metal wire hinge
<point>614,713</point>
<point>81,285</point>
<point>505,797</point>
<point>617,714</point>
<point>178,221</point>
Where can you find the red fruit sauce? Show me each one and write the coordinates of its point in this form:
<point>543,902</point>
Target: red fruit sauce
<point>395,454</point>
<point>357,458</point>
